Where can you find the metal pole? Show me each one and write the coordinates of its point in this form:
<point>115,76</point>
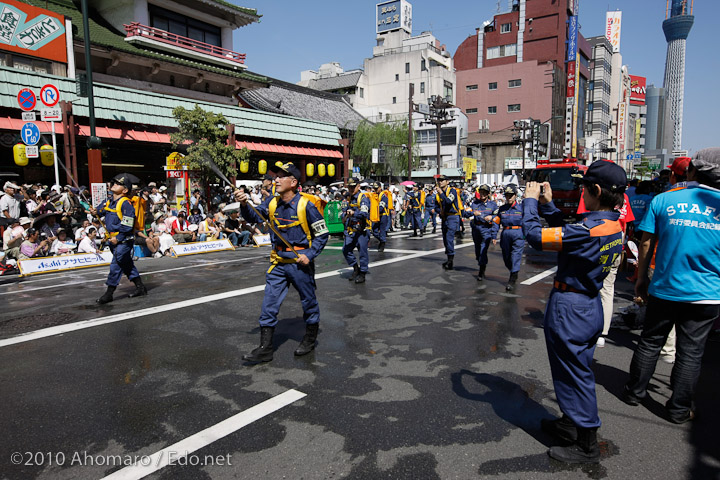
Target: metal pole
<point>522,142</point>
<point>438,148</point>
<point>410,129</point>
<point>55,155</point>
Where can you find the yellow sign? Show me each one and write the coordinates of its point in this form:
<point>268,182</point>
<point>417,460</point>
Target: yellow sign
<point>469,167</point>
<point>171,161</point>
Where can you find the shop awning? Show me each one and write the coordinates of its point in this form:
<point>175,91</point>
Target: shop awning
<point>9,123</point>
<point>289,150</point>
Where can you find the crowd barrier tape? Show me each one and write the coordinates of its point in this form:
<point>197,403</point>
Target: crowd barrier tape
<point>35,266</point>
<point>182,249</point>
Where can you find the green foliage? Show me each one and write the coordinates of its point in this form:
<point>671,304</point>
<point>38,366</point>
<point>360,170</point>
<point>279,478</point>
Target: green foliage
<point>369,136</point>
<point>200,133</point>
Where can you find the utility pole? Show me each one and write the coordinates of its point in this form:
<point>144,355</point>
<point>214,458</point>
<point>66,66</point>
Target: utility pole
<point>439,117</point>
<point>410,129</point>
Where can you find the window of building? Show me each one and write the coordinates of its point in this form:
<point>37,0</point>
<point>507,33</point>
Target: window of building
<point>492,110</point>
<point>397,77</point>
<point>470,110</point>
<point>492,86</point>
<point>515,107</point>
<point>471,87</point>
<point>423,65</point>
<point>501,51</point>
<point>186,27</point>
<point>422,87</point>
<point>407,67</point>
<point>27,64</point>
<point>361,92</point>
<point>426,136</point>
<point>514,83</point>
<point>448,90</point>
<point>394,99</point>
<point>448,136</point>
<point>506,28</point>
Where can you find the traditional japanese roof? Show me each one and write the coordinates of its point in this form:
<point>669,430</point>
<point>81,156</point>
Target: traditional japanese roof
<point>334,83</point>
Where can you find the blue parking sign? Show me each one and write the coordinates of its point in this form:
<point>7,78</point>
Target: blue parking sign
<point>30,134</point>
<point>638,155</point>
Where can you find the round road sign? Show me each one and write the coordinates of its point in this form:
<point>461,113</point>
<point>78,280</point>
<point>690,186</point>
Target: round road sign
<point>49,95</point>
<point>26,99</point>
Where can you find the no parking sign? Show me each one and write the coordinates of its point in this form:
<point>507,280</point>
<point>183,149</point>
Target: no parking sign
<point>26,99</point>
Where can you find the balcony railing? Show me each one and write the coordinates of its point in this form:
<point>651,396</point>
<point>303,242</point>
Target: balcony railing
<point>136,29</point>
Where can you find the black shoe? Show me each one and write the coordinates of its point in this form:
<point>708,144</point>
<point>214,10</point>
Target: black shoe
<point>107,297</point>
<point>584,450</point>
<point>140,288</point>
<point>422,232</point>
<point>356,272</point>
<point>434,228</point>
<point>414,233</point>
<point>308,342</point>
<point>481,273</point>
<point>511,282</point>
<point>449,264</point>
<point>690,415</point>
<point>381,247</point>
<point>264,353</point>
<point>360,278</point>
<point>629,398</point>
<point>562,428</point>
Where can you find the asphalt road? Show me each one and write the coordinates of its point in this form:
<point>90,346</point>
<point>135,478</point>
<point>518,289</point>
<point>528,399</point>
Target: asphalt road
<point>419,373</point>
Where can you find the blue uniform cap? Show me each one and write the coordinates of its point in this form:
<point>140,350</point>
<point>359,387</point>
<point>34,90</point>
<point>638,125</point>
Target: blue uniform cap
<point>440,178</point>
<point>484,187</point>
<point>376,185</point>
<point>124,180</point>
<point>288,168</point>
<point>353,182</point>
<point>608,175</point>
<point>511,189</point>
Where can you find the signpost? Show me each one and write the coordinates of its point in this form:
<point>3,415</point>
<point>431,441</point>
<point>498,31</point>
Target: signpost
<point>26,99</point>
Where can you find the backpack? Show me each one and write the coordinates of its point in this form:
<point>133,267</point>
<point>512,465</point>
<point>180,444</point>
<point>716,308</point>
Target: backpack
<point>374,213</point>
<point>317,201</point>
<point>301,214</point>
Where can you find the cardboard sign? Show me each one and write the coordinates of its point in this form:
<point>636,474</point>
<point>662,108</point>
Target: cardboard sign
<point>261,240</point>
<point>34,266</point>
<point>182,249</point>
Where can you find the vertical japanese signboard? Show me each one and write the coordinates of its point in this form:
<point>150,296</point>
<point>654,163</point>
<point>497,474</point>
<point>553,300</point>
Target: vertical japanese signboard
<point>613,22</point>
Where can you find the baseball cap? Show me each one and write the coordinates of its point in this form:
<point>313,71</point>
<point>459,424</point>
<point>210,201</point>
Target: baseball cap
<point>485,187</point>
<point>608,175</point>
<point>353,182</point>
<point>707,161</point>
<point>11,185</point>
<point>680,165</point>
<point>162,188</point>
<point>123,180</point>
<point>288,168</point>
<point>25,221</point>
<point>152,184</point>
<point>376,185</point>
<point>440,178</point>
<point>511,189</point>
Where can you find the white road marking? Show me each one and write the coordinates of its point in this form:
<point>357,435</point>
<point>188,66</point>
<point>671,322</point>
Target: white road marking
<point>104,276</point>
<point>402,236</point>
<point>539,276</point>
<point>193,443</point>
<point>95,322</point>
<point>387,250</point>
<point>429,235</point>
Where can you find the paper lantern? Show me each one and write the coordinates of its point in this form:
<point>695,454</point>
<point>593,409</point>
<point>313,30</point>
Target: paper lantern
<point>47,156</point>
<point>310,169</point>
<point>262,167</point>
<point>321,169</point>
<point>331,170</point>
<point>19,155</point>
<point>244,166</point>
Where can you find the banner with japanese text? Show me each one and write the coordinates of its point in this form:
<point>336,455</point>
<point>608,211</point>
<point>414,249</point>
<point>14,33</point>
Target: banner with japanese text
<point>34,266</point>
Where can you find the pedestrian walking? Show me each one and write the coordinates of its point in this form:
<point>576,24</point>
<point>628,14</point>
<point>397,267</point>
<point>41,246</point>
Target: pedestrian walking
<point>357,222</point>
<point>304,228</point>
<point>385,206</point>
<point>415,201</point>
<point>512,242</point>
<point>484,230</point>
<point>573,317</point>
<point>685,287</point>
<point>450,207</point>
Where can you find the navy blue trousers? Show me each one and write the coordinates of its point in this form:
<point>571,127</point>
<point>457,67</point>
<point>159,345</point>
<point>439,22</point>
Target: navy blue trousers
<point>360,241</point>
<point>416,219</point>
<point>122,263</point>
<point>277,281</point>
<point>482,241</point>
<point>512,244</point>
<point>380,228</point>
<point>450,225</point>
<point>573,323</point>
<point>429,217</point>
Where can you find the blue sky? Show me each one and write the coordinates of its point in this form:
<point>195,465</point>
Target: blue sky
<point>294,36</point>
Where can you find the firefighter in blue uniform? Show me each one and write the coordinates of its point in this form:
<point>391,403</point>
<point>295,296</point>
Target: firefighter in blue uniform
<point>430,211</point>
<point>512,242</point>
<point>484,230</point>
<point>380,227</point>
<point>303,226</point>
<point>414,208</point>
<point>357,217</point>
<point>120,224</point>
<point>450,208</point>
<point>574,315</point>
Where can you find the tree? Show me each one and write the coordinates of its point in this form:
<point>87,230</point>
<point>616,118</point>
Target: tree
<point>369,136</point>
<point>204,133</point>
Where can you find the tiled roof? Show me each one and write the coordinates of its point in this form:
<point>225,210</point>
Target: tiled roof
<point>247,11</point>
<point>333,83</point>
<point>122,104</point>
<point>103,34</point>
<point>290,99</point>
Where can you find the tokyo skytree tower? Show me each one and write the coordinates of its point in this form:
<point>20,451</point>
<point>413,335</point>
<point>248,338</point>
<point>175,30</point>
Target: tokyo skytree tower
<point>676,28</point>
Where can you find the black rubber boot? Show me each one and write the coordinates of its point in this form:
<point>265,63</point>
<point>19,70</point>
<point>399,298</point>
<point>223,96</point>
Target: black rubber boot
<point>356,272</point>
<point>140,288</point>
<point>360,278</point>
<point>511,282</point>
<point>107,297</point>
<point>562,428</point>
<point>449,264</point>
<point>381,247</point>
<point>308,342</point>
<point>264,353</point>
<point>481,273</point>
<point>414,233</point>
<point>584,450</point>
<point>422,232</point>
<point>434,229</point>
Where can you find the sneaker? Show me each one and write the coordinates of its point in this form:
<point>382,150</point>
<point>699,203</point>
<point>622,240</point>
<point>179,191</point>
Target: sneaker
<point>600,342</point>
<point>668,359</point>
<point>157,255</point>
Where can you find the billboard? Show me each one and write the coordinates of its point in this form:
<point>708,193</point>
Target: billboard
<point>572,43</point>
<point>613,21</point>
<point>571,79</point>
<point>393,15</point>
<point>637,90</point>
<point>32,31</point>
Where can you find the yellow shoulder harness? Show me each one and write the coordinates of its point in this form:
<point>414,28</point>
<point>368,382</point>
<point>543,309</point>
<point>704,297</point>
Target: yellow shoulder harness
<point>301,213</point>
